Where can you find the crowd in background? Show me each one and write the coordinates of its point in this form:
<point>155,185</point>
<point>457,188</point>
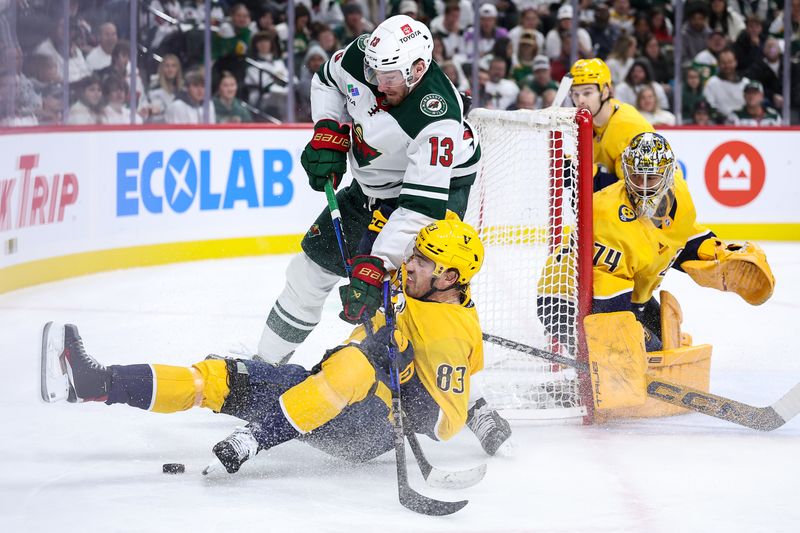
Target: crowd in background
<point>731,60</point>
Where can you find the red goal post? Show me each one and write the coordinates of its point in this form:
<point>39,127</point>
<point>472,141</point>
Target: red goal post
<point>531,198</point>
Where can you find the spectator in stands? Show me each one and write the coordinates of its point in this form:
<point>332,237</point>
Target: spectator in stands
<point>695,31</point>
<point>488,30</point>
<point>233,37</point>
<point>448,28</point>
<point>439,52</point>
<point>763,9</point>
<point>315,57</point>
<point>769,71</point>
<point>455,74</point>
<point>507,14</point>
<point>100,56</point>
<point>77,67</point>
<point>603,34</point>
<point>502,48</point>
<point>119,66</point>
<point>522,72</point>
<point>529,23</point>
<point>707,59</point>
<point>554,38</point>
<point>662,65</point>
<point>647,104</point>
<point>692,92</point>
<point>265,18</point>
<point>660,26</point>
<point>194,12</point>
<point>621,57</point>
<point>622,15</point>
<point>170,84</point>
<point>755,112</point>
<point>547,98</point>
<point>227,107</point>
<point>729,22</point>
<point>326,39</point>
<point>526,99</point>
<point>52,111</point>
<point>725,90</point>
<point>41,70</point>
<point>354,24</point>
<point>115,95</point>
<point>639,76</point>
<point>302,33</point>
<point>702,114</point>
<point>188,106</point>
<point>267,80</point>
<point>89,107</point>
<point>641,29</point>
<point>750,42</point>
<point>327,12</point>
<point>408,8</point>
<point>542,79</point>
<point>560,65</point>
<point>500,91</point>
<point>776,27</point>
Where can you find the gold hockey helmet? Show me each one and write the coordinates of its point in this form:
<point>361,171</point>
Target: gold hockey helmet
<point>591,71</point>
<point>451,243</point>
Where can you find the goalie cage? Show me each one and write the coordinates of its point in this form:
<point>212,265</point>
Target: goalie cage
<point>533,191</point>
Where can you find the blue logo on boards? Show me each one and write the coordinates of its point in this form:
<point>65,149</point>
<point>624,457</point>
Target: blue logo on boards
<point>187,181</point>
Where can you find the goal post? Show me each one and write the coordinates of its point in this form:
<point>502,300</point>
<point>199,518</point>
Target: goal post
<point>532,200</point>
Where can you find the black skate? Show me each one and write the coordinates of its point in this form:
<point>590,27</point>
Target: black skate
<point>68,373</point>
<point>234,450</point>
<point>491,429</point>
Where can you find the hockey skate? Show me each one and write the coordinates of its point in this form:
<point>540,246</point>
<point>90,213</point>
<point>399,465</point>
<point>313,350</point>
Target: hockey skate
<point>233,451</point>
<point>491,429</point>
<point>68,373</point>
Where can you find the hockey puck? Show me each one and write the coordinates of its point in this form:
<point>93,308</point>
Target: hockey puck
<point>173,468</point>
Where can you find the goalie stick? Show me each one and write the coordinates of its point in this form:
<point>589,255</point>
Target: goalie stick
<point>563,90</point>
<point>409,498</point>
<point>760,418</point>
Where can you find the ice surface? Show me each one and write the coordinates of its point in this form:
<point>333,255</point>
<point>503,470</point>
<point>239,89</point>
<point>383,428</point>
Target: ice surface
<point>91,467</point>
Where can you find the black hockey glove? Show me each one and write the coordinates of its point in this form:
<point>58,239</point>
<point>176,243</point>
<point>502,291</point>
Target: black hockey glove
<point>325,157</point>
<point>363,296</point>
<point>376,347</point>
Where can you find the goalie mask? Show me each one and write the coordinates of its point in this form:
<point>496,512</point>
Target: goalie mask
<point>648,164</point>
<point>393,48</point>
<point>451,244</point>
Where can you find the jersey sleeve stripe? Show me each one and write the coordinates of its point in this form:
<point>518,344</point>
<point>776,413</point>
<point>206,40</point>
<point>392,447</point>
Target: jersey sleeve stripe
<point>322,74</point>
<point>434,208</point>
<point>426,188</point>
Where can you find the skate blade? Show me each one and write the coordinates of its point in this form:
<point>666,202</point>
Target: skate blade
<point>54,382</point>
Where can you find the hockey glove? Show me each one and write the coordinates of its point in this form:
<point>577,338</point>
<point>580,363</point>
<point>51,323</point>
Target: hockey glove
<point>362,297</point>
<point>376,347</point>
<point>325,157</point>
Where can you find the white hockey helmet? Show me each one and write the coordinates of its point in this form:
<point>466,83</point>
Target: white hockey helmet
<point>648,164</point>
<point>395,45</point>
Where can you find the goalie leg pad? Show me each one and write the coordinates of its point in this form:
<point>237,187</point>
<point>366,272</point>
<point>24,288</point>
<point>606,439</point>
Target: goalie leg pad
<point>617,360</point>
<point>739,268</point>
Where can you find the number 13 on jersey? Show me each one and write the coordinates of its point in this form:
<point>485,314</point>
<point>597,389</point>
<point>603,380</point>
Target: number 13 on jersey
<point>445,146</point>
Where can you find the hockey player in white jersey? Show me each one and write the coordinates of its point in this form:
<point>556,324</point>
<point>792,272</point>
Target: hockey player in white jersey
<point>383,108</point>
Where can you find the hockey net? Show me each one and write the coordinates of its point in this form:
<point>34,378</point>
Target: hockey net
<point>528,199</point>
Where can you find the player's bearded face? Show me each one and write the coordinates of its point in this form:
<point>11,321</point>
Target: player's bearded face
<point>393,85</point>
<point>646,191</point>
<point>419,274</point>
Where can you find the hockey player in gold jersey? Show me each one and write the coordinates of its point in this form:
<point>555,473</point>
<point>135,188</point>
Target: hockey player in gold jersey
<point>343,404</point>
<point>643,226</point>
<point>615,123</point>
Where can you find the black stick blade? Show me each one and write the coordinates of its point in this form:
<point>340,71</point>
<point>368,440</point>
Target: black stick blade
<point>413,500</point>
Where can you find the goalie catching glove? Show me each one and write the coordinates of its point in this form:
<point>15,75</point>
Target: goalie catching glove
<point>739,268</point>
<point>363,296</point>
<point>325,157</point>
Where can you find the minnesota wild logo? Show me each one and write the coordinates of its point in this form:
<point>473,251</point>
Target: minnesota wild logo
<point>362,42</point>
<point>363,152</point>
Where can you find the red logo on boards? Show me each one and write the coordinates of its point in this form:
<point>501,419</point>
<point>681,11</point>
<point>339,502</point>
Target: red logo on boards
<point>735,173</point>
<point>406,29</point>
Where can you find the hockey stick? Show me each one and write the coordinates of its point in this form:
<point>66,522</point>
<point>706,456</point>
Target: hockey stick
<point>444,479</point>
<point>409,498</point>
<point>563,90</point>
<point>760,418</point>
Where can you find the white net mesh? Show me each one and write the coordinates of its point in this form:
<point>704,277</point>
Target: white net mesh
<point>522,208</point>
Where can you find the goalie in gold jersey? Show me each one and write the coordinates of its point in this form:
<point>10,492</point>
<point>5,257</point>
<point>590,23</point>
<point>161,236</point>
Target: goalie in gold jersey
<point>644,225</point>
<point>342,405</point>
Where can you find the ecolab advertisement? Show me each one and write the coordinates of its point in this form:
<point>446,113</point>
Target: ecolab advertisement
<point>68,192</point>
